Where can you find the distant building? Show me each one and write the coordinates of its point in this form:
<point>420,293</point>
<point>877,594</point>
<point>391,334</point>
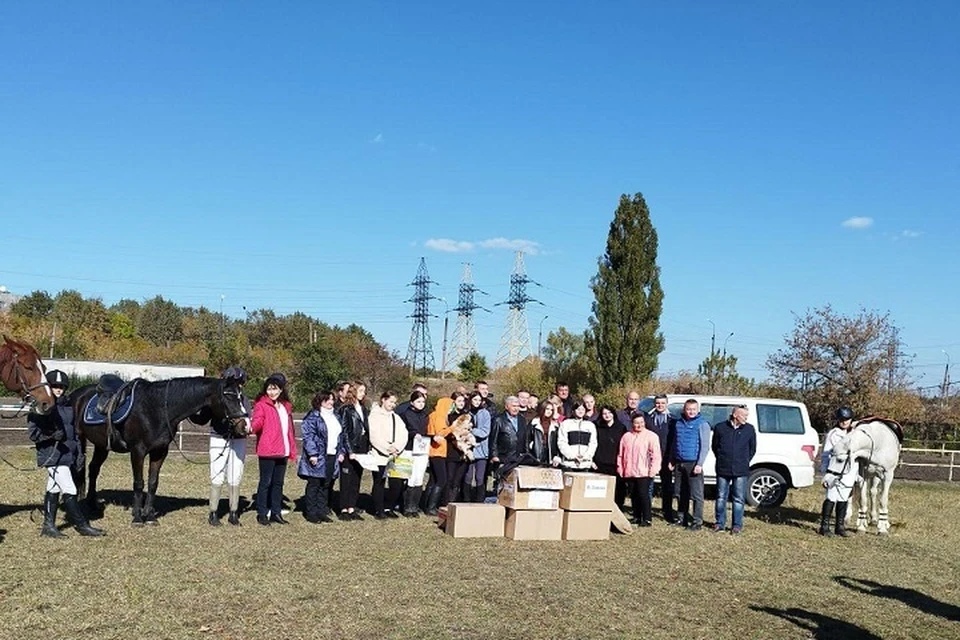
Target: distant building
<point>7,299</point>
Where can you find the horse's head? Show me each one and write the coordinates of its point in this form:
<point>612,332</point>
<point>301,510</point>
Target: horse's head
<point>234,407</point>
<point>22,371</point>
<point>840,461</point>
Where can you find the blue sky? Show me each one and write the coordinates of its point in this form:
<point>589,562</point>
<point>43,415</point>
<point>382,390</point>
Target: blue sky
<point>302,156</point>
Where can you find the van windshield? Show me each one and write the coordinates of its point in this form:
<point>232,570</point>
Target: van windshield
<point>646,404</point>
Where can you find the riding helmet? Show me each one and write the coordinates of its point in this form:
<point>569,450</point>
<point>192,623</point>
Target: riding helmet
<point>844,413</point>
<point>235,373</point>
<point>278,379</point>
<point>57,378</point>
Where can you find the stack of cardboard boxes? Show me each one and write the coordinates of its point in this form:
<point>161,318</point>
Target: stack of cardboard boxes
<point>532,498</point>
<point>540,503</point>
<point>587,500</point>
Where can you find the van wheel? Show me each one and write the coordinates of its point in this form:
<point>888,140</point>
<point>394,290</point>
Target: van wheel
<point>766,488</point>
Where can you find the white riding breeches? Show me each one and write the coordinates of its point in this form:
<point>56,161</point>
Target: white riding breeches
<point>60,480</point>
<point>226,460</point>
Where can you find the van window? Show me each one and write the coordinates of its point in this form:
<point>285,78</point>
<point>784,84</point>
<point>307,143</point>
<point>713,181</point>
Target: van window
<point>712,413</point>
<point>773,418</point>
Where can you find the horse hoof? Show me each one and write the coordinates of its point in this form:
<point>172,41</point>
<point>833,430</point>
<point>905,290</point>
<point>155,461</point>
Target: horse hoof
<point>136,523</point>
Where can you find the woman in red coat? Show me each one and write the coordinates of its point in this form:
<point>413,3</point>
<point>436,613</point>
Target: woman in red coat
<point>272,422</point>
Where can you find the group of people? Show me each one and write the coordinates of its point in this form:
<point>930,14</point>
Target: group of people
<point>462,442</point>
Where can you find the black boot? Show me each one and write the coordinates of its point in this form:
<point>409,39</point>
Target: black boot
<point>234,519</point>
<point>825,512</point>
<point>76,517</point>
<point>213,519</point>
<point>433,500</point>
<point>51,502</point>
<point>479,493</point>
<point>411,499</point>
<point>840,527</point>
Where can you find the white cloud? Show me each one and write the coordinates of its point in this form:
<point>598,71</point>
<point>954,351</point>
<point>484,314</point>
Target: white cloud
<point>858,222</point>
<point>447,245</point>
<point>377,139</point>
<point>527,246</point>
<point>908,233</point>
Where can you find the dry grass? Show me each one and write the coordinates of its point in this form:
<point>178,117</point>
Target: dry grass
<point>404,578</point>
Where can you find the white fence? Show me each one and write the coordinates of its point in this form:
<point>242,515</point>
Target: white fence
<point>942,458</point>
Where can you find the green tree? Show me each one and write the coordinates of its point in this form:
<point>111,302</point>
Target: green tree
<point>565,357</point>
<point>121,326</point>
<point>474,367</point>
<point>319,366</point>
<point>624,336</point>
<point>36,306</point>
<point>161,322</point>
<point>719,374</point>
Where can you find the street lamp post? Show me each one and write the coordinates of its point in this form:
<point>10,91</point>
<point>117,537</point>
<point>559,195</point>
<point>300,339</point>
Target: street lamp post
<point>221,318</point>
<point>540,339</point>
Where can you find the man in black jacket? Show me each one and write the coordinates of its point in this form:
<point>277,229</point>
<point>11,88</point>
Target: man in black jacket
<point>506,431</point>
<point>664,425</point>
<point>734,444</point>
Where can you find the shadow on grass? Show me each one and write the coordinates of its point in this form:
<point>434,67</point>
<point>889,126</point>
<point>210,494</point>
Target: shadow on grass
<point>818,625</point>
<point>116,497</point>
<point>910,597</point>
<point>11,509</point>
<point>789,516</point>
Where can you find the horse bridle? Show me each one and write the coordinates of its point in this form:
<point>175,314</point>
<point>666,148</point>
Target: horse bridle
<point>27,395</point>
<point>849,461</point>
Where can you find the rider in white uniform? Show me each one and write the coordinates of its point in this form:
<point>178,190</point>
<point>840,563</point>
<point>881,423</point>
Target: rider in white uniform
<point>839,492</point>
<point>227,452</point>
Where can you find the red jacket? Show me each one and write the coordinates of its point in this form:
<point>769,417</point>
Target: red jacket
<point>266,424</point>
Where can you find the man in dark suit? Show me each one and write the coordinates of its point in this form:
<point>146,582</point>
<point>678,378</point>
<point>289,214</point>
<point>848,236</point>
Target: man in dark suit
<point>664,425</point>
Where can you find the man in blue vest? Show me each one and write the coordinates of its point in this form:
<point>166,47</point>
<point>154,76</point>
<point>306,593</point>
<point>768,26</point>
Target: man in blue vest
<point>688,455</point>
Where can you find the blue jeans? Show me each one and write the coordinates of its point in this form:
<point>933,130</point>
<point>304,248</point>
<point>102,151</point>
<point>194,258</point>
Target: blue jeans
<point>739,486</point>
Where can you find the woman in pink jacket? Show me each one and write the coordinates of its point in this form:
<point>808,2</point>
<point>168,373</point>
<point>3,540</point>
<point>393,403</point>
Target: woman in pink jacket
<point>272,422</point>
<point>638,462</point>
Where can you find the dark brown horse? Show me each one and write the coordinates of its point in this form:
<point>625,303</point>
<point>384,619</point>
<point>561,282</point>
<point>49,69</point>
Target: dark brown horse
<point>22,372</point>
<point>155,415</point>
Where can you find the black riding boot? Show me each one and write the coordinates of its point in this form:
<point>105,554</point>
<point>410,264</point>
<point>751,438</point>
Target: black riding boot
<point>411,501</point>
<point>51,502</point>
<point>76,517</point>
<point>825,512</point>
<point>840,527</point>
<point>433,500</point>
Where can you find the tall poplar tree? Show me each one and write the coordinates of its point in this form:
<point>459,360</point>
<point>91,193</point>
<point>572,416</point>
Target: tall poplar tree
<point>624,333</point>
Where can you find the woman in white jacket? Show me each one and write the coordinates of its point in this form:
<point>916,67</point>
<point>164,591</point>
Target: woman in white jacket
<point>388,437</point>
<point>577,440</point>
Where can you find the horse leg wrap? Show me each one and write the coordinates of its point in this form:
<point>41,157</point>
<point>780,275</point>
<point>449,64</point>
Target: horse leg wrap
<point>214,497</point>
<point>234,498</point>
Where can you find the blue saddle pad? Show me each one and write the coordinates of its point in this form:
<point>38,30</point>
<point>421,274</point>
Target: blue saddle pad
<point>120,413</point>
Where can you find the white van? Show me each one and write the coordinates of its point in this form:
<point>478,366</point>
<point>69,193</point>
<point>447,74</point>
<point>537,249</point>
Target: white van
<point>786,442</point>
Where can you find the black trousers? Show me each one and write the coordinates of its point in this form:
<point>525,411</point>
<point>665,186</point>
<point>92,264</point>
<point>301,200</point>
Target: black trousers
<point>386,491</point>
<point>640,497</point>
<point>456,471</point>
<point>331,466</point>
<point>270,486</point>
<point>438,473</point>
<point>620,489</point>
<point>666,494</point>
<point>315,504</point>
<point>350,475</point>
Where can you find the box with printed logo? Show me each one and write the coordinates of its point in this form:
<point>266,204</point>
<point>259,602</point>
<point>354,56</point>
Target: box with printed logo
<point>587,492</point>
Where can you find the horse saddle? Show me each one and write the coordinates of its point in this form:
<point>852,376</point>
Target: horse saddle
<point>893,424</point>
<point>113,396</point>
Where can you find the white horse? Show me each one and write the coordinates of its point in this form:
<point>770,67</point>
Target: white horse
<point>874,444</point>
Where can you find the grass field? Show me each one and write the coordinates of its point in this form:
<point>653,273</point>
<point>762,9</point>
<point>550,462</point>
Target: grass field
<point>404,578</point>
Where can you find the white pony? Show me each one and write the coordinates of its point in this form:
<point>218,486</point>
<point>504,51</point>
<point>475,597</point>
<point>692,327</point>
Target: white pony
<point>873,443</point>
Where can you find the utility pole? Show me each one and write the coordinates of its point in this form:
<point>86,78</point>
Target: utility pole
<point>443,348</point>
<point>540,339</point>
<point>53,338</point>
<point>221,318</point>
<point>945,388</point>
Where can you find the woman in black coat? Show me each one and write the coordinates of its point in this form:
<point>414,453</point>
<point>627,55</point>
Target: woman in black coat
<point>354,418</point>
<point>415,418</point>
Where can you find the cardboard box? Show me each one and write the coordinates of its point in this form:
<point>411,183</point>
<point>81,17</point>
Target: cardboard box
<point>513,498</point>
<point>586,525</point>
<point>474,520</point>
<point>531,488</point>
<point>536,478</point>
<point>534,525</point>
<point>587,492</point>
